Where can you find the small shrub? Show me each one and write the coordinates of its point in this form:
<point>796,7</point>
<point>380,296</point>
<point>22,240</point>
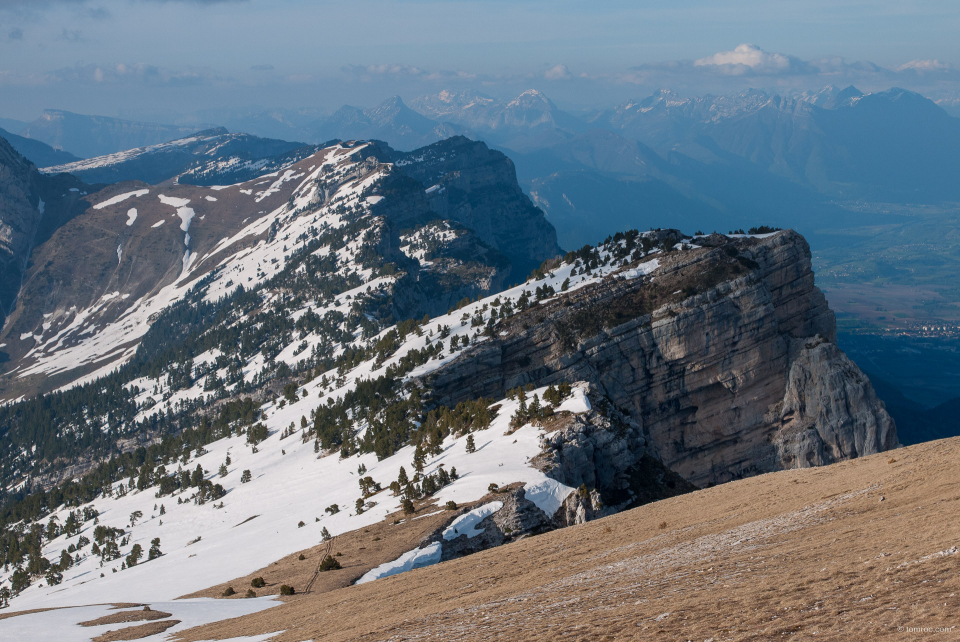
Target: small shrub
<point>663,525</point>
<point>250,593</point>
<point>228,592</point>
<point>451,505</point>
<point>245,477</point>
<point>286,590</point>
<point>302,557</point>
<point>408,507</point>
<point>493,488</point>
<point>301,524</point>
<point>258,582</point>
<point>330,564</point>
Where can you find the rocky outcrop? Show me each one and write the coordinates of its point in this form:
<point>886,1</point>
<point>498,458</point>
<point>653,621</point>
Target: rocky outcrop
<point>469,183</point>
<point>829,410</point>
<point>708,355</point>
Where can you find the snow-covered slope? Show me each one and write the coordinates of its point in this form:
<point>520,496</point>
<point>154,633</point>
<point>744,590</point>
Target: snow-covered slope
<point>191,154</point>
<point>274,493</point>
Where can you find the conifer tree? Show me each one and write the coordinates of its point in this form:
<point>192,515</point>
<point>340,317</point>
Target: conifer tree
<point>402,477</point>
<point>419,459</point>
<point>135,554</point>
<point>471,445</point>
<point>154,552</point>
<point>197,478</point>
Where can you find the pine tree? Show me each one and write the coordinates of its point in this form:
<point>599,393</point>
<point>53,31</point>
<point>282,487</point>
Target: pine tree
<point>54,576</point>
<point>154,552</point>
<point>408,507</point>
<point>245,477</point>
<point>402,477</point>
<point>325,534</point>
<point>223,470</point>
<point>163,511</point>
<point>471,445</point>
<point>419,459</point>
<point>135,554</point>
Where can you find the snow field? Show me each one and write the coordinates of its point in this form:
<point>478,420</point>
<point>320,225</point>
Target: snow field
<point>61,625</point>
<point>204,545</point>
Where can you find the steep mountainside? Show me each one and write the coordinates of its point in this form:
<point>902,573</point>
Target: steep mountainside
<point>145,246</point>
<point>331,350</point>
<point>757,379</point>
<point>37,152</point>
<point>477,187</point>
<point>32,206</point>
<point>207,156</point>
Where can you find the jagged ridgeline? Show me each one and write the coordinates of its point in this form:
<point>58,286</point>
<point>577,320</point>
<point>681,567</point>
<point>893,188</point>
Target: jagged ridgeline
<point>356,304</point>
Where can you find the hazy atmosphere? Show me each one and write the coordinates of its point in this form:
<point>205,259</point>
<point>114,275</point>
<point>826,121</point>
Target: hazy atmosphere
<point>165,60</point>
<point>479,320</point>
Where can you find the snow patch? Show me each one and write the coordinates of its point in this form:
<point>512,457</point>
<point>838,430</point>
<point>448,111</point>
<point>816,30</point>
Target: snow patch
<point>119,198</point>
<point>417,558</point>
<point>131,216</point>
<point>467,524</point>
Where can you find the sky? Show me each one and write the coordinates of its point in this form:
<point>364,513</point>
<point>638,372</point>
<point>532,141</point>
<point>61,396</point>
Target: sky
<point>162,59</point>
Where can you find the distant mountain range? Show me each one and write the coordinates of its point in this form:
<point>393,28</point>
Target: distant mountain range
<point>744,159</point>
<point>89,136</point>
<point>211,155</point>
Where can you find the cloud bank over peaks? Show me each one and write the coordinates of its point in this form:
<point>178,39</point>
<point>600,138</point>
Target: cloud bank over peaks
<point>559,72</point>
<point>751,59</point>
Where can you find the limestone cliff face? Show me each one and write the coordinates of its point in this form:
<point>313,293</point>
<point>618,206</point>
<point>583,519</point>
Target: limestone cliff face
<point>724,357</point>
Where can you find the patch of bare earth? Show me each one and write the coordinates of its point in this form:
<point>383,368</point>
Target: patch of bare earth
<point>120,605</point>
<point>865,549</point>
<point>136,632</point>
<point>127,616</point>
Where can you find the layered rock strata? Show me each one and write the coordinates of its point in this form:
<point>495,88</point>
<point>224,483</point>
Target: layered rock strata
<point>724,357</point>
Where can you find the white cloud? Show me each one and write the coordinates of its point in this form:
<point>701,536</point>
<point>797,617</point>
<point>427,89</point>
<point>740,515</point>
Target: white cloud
<point>925,65</point>
<point>559,72</point>
<point>748,58</point>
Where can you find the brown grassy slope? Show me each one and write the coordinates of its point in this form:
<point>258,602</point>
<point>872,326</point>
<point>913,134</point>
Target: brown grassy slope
<point>850,551</point>
<point>360,550</point>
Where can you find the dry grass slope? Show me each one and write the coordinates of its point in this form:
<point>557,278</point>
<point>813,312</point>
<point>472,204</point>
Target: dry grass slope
<point>858,550</point>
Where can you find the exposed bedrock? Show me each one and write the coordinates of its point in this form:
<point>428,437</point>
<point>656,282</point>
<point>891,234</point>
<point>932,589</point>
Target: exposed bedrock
<point>724,357</point>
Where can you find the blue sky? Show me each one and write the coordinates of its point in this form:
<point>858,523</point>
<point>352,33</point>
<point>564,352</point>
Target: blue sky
<point>130,57</point>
